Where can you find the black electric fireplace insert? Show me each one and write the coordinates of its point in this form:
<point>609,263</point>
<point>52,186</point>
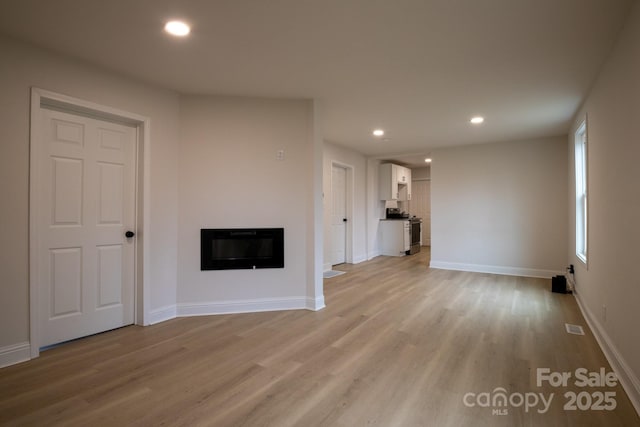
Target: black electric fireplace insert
<point>241,248</point>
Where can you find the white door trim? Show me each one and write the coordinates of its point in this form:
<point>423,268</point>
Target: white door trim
<point>349,205</point>
<point>339,217</point>
<point>43,98</point>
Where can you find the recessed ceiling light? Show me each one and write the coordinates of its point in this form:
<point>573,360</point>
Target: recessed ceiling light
<point>427,160</point>
<point>477,120</point>
<point>378,132</point>
<point>177,28</point>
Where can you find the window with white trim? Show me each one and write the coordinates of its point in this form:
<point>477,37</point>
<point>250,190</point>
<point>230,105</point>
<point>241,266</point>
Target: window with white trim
<point>581,191</point>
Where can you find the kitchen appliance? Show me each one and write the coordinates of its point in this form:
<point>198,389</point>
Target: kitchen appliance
<point>416,235</point>
<point>395,213</point>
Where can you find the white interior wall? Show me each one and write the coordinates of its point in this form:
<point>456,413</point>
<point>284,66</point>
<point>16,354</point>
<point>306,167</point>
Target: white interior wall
<point>230,177</point>
<point>609,289</point>
<point>500,207</point>
<point>315,285</point>
<point>375,208</point>
<point>24,66</point>
<point>287,193</point>
<point>421,173</point>
<point>357,164</point>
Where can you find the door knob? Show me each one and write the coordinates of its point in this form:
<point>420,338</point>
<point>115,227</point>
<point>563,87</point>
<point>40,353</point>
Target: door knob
<point>344,219</point>
<point>129,234</point>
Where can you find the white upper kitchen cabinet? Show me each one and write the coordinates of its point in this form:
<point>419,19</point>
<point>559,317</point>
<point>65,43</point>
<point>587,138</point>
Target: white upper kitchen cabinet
<point>403,174</point>
<point>407,176</point>
<point>395,182</point>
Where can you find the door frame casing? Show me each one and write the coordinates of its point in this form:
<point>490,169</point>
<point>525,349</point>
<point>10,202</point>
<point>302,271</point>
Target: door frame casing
<point>41,98</point>
<point>349,192</point>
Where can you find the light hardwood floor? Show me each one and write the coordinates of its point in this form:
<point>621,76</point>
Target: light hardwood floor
<point>397,345</point>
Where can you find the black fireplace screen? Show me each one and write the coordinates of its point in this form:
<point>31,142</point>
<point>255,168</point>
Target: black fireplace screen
<point>241,248</point>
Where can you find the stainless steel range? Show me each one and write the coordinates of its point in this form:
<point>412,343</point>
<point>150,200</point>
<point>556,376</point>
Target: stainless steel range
<point>416,235</point>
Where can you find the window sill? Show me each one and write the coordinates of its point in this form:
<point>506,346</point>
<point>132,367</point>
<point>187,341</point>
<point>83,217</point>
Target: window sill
<point>582,258</point>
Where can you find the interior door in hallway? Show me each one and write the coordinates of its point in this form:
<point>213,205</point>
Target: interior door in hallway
<point>86,204</point>
<point>338,215</point>
<point>421,207</point>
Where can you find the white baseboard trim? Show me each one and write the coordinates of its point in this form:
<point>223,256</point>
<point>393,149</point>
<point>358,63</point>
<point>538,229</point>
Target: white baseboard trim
<point>356,260</point>
<point>494,269</point>
<point>359,259</point>
<point>373,255</point>
<point>244,306</point>
<point>15,353</point>
<point>162,314</point>
<point>315,304</point>
<point>628,379</point>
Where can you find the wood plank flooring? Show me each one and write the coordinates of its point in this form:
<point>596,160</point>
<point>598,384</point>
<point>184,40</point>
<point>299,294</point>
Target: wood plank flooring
<point>397,345</point>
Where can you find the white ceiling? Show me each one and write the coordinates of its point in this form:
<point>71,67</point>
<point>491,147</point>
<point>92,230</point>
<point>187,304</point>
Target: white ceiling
<point>417,68</point>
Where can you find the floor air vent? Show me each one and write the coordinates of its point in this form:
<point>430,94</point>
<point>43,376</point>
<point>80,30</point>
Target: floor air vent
<point>574,329</point>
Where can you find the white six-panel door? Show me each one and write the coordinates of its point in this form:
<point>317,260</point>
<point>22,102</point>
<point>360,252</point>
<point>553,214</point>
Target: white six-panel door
<point>86,199</point>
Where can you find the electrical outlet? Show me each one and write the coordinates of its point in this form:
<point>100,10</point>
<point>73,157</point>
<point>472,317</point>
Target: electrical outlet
<point>280,155</point>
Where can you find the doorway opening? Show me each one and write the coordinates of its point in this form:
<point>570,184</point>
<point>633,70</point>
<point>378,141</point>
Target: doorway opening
<point>341,236</point>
